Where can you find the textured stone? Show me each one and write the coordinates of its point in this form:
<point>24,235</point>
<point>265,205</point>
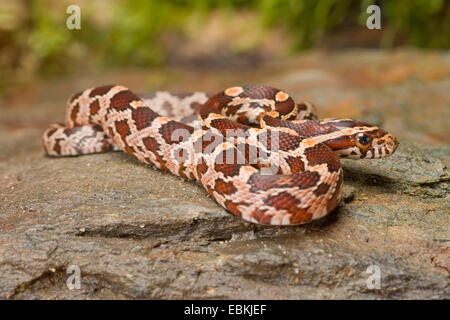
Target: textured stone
<point>137,232</point>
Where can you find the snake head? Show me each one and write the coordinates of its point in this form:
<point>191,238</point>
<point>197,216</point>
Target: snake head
<point>374,144</point>
<point>362,140</point>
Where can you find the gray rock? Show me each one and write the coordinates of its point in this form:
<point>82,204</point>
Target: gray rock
<point>136,232</point>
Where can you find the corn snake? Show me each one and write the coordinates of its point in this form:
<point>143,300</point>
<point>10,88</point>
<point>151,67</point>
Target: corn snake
<point>259,154</point>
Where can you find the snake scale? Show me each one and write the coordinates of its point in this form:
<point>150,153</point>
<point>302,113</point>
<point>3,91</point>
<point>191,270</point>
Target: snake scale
<point>259,154</point>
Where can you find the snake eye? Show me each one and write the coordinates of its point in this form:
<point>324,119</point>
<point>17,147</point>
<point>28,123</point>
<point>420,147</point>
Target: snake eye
<point>363,141</point>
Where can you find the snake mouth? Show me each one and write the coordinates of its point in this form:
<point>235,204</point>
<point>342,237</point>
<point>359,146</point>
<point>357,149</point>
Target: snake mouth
<point>384,146</point>
<point>391,143</point>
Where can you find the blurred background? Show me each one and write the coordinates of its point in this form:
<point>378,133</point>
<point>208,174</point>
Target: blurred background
<point>34,39</point>
<point>316,50</point>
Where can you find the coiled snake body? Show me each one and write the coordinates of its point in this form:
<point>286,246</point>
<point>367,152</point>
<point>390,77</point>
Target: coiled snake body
<point>259,154</point>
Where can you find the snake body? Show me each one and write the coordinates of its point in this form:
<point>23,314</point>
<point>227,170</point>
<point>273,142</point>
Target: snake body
<point>259,154</point>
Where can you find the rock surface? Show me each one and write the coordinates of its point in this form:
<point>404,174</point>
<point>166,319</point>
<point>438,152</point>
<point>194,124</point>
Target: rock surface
<point>136,232</point>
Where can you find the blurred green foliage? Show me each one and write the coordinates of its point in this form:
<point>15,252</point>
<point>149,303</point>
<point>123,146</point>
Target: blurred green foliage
<point>34,37</point>
<point>424,23</point>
